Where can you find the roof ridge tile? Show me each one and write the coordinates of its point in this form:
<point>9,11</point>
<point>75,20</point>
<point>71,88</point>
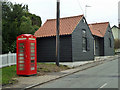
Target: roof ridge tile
<point>66,17</point>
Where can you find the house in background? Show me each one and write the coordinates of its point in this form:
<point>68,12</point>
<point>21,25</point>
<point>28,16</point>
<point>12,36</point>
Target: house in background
<point>116,32</point>
<point>103,39</point>
<point>76,40</point>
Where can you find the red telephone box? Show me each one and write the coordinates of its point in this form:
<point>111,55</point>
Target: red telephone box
<point>26,55</point>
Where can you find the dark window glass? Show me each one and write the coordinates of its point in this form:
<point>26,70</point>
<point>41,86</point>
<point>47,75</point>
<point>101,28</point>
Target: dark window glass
<point>84,33</point>
<point>83,20</point>
<point>84,44</point>
<point>21,50</point>
<point>110,43</point>
<point>32,61</point>
<point>21,47</point>
<point>84,40</point>
<point>21,44</point>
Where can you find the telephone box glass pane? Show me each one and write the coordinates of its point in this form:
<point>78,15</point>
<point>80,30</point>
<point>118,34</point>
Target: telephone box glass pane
<point>32,61</point>
<point>32,54</point>
<point>21,44</point>
<point>21,57</point>
<point>32,50</point>
<point>21,54</point>
<point>21,47</point>
<point>21,50</point>
<point>32,57</point>
<point>21,68</point>
<point>31,38</point>
<point>21,64</point>
<point>32,43</point>
<point>21,61</point>
<point>32,68</point>
<point>32,47</point>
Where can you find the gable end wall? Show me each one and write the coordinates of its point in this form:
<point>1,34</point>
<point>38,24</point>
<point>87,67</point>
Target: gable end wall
<point>107,49</point>
<point>77,52</point>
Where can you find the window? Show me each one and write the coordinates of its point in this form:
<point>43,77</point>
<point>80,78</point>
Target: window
<point>32,50</point>
<point>21,50</point>
<point>21,57</point>
<point>21,65</point>
<point>83,20</point>
<point>32,57</point>
<point>32,43</point>
<point>84,44</point>
<point>32,68</point>
<point>21,47</point>
<point>21,44</point>
<point>32,54</point>
<point>32,61</point>
<point>84,40</point>
<point>31,38</point>
<point>84,33</point>
<point>21,54</point>
<point>110,43</point>
<point>32,47</point>
<point>21,61</point>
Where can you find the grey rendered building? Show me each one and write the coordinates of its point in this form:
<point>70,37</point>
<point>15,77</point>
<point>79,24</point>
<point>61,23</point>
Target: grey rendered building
<point>76,40</point>
<point>103,39</point>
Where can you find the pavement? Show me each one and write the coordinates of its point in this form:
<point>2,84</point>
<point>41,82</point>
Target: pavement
<point>29,82</point>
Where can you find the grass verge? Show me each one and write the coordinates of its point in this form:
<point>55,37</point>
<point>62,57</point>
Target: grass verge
<point>9,73</point>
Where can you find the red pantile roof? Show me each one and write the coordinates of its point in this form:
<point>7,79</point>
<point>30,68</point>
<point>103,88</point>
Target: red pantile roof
<point>67,25</point>
<point>99,29</point>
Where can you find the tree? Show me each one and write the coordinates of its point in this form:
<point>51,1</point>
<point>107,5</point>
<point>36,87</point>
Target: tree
<point>36,20</point>
<point>16,20</point>
<point>35,27</point>
<point>26,26</point>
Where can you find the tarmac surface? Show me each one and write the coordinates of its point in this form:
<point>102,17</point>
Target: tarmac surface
<point>102,76</point>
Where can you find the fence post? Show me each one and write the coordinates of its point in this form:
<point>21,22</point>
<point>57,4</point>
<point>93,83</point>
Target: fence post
<point>9,58</point>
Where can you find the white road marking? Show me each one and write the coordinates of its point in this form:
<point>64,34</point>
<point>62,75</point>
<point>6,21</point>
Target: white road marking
<point>103,85</point>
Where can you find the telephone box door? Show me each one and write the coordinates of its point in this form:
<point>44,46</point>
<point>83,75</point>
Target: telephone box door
<point>21,57</point>
<point>32,56</point>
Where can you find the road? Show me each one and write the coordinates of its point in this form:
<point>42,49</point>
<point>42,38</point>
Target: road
<point>101,76</point>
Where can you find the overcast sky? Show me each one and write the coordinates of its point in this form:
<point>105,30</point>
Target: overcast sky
<point>100,10</point>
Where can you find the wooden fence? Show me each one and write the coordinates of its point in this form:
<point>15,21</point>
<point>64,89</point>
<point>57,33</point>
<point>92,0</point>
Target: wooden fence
<point>7,59</point>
